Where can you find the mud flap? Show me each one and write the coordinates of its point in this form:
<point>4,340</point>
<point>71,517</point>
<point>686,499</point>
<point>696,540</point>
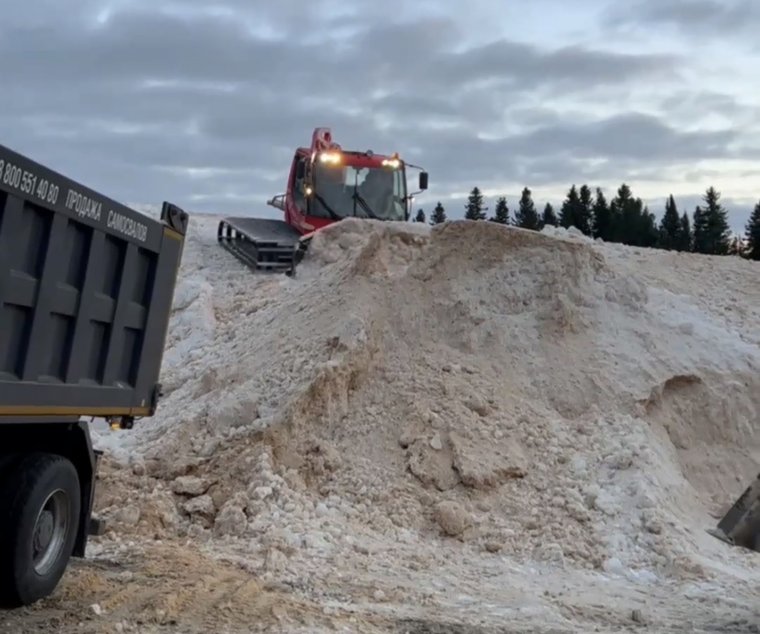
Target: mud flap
<point>740,526</point>
<point>96,527</point>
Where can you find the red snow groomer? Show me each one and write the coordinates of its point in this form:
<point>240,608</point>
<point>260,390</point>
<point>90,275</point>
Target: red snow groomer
<point>326,184</point>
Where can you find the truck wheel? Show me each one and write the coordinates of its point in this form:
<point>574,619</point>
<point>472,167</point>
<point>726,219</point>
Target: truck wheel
<point>40,503</point>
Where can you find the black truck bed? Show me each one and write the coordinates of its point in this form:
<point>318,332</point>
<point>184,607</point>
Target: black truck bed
<point>86,289</point>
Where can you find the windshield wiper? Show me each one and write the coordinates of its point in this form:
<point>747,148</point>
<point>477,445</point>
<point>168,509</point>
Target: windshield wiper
<point>364,204</point>
<point>327,207</point>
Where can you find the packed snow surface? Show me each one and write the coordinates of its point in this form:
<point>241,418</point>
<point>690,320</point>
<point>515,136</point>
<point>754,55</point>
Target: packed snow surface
<point>443,416</point>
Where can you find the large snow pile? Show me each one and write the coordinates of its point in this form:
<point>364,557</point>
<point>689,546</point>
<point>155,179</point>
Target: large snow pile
<point>534,395</point>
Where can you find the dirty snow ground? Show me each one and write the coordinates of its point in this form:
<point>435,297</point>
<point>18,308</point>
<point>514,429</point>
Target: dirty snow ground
<point>472,429</point>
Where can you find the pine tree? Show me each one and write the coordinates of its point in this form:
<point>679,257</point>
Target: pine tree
<point>569,212</point>
<point>630,216</point>
<point>439,214</point>
<point>752,234</point>
<point>623,210</point>
<point>711,230</point>
<point>670,225</point>
<point>420,217</point>
<point>717,217</point>
<point>474,209</point>
<point>602,224</point>
<point>685,236</point>
<point>647,235</point>
<point>699,222</point>
<point>614,229</point>
<point>585,216</point>
<point>526,216</point>
<point>549,218</point>
<point>631,221</point>
<point>501,213</point>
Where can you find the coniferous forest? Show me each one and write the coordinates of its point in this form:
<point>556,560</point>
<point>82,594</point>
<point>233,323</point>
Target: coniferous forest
<point>624,219</point>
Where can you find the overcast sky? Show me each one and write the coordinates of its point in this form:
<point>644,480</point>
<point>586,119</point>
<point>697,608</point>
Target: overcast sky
<point>202,102</point>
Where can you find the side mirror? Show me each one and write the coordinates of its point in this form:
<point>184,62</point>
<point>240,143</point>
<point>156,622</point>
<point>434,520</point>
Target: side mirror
<point>300,169</point>
<point>423,180</point>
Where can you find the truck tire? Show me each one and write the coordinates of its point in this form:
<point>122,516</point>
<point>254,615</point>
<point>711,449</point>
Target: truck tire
<point>40,502</point>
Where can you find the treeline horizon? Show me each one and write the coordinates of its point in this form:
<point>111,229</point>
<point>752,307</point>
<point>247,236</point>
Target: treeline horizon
<point>624,219</point>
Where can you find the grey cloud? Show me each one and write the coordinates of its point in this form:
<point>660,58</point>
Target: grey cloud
<point>445,107</point>
<point>566,66</point>
<point>628,139</point>
<point>706,102</point>
<point>552,155</point>
<point>140,104</point>
<point>631,136</point>
<point>538,115</point>
<point>711,17</point>
<point>134,46</point>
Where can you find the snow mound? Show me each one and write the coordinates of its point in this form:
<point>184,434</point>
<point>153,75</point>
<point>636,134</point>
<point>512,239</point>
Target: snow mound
<point>523,393</point>
<point>570,233</point>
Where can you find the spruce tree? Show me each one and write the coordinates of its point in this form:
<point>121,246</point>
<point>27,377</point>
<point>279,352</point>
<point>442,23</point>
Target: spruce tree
<point>647,234</point>
<point>569,212</point>
<point>614,229</point>
<point>439,214</point>
<point>631,221</point>
<point>585,216</point>
<point>526,216</point>
<point>420,217</point>
<point>501,214</point>
<point>670,225</point>
<point>602,224</point>
<point>699,224</point>
<point>548,217</point>
<point>474,209</point>
<point>711,231</point>
<point>685,236</point>
<point>752,234</point>
<point>623,212</point>
<point>717,217</point>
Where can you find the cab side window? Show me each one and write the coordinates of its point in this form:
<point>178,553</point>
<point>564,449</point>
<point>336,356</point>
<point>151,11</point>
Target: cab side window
<point>298,195</point>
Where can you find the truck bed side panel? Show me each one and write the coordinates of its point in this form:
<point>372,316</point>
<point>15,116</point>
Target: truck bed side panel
<point>86,288</point>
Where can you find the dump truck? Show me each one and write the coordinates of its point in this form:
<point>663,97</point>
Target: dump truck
<point>86,291</point>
